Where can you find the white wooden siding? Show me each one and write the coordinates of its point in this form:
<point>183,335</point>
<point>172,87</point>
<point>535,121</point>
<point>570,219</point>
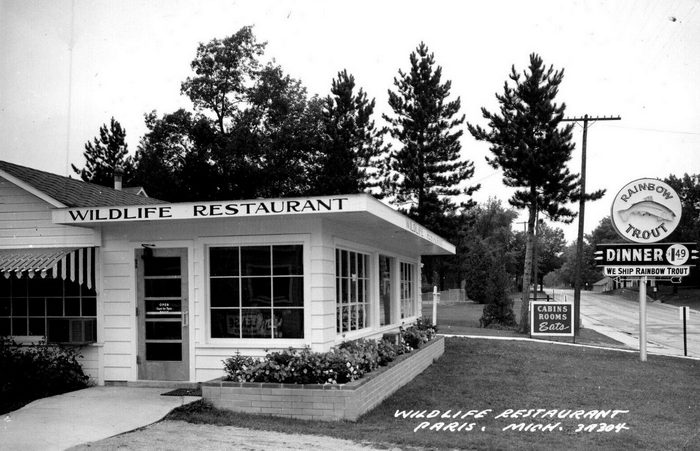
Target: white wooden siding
<point>25,220</point>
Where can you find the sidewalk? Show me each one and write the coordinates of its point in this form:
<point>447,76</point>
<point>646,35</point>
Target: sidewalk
<point>66,420</point>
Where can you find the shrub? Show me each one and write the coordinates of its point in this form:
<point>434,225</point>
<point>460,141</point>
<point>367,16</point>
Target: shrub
<point>37,371</point>
<point>344,363</point>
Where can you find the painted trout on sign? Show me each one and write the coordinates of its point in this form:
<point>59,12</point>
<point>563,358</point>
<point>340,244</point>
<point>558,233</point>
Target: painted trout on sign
<point>648,207</point>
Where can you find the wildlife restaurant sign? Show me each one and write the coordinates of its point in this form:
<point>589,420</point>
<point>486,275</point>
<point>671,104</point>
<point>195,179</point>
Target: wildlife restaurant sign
<point>646,211</point>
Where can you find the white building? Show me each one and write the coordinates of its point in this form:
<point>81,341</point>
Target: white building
<point>166,291</point>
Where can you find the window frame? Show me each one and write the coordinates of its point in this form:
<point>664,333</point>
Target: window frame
<point>369,283</point>
<point>302,240</point>
<point>412,300</point>
<point>64,296</point>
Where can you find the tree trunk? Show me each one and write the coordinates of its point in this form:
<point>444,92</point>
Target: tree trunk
<point>527,273</point>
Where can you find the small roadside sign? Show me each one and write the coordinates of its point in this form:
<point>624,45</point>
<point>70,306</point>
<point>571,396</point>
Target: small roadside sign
<point>551,318</point>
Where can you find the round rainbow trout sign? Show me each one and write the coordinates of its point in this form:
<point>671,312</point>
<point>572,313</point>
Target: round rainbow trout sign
<point>646,211</point>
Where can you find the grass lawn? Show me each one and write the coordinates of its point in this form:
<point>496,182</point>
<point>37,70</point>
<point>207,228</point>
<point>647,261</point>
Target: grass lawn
<point>462,318</point>
<point>661,397</point>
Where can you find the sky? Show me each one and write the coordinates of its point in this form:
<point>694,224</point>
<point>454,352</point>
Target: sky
<point>68,66</point>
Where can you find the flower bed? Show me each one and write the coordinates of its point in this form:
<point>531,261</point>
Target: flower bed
<point>272,386</point>
<point>345,363</point>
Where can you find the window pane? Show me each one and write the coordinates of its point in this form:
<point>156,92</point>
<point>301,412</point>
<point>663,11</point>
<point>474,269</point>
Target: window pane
<point>289,291</point>
<point>5,285</point>
<point>225,323</point>
<point>288,260</point>
<point>5,306</point>
<point>163,330</point>
<point>164,351</point>
<point>344,263</point>
<point>72,307</point>
<point>345,315</point>
<point>289,323</point>
<point>85,291</point>
<point>19,326</point>
<point>58,330</point>
<point>36,307</point>
<point>89,307</point>
<point>5,327</point>
<point>256,323</point>
<point>385,270</point>
<point>19,287</point>
<point>45,287</point>
<point>223,261</point>
<point>256,291</point>
<point>162,266</point>
<point>54,307</point>
<point>19,307</point>
<point>224,292</point>
<point>337,262</point>
<point>71,288</point>
<point>36,326</point>
<point>344,296</point>
<point>255,261</point>
<point>163,287</point>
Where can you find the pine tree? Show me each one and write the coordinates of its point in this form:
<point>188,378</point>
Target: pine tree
<point>532,151</point>
<point>426,171</point>
<point>104,154</point>
<point>351,144</point>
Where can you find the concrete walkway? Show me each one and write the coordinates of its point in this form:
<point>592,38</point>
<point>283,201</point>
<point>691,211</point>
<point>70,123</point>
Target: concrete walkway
<point>66,420</point>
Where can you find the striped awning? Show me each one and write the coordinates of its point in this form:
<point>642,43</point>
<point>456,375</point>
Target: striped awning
<point>68,263</point>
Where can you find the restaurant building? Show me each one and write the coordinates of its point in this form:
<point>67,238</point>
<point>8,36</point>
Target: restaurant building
<point>152,290</point>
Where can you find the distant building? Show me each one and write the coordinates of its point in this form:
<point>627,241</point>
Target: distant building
<point>603,285</point>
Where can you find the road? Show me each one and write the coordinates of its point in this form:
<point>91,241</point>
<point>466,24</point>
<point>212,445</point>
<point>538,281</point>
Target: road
<point>618,318</point>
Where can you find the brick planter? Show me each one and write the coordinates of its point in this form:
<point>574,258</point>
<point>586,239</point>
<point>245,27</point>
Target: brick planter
<point>323,402</point>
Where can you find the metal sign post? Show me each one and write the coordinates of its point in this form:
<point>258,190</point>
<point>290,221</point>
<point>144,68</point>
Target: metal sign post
<point>643,318</point>
<point>685,312</point>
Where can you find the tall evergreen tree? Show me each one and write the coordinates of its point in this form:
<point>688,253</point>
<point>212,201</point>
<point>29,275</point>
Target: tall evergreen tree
<point>426,170</point>
<point>351,144</point>
<point>104,154</point>
<point>532,151</point>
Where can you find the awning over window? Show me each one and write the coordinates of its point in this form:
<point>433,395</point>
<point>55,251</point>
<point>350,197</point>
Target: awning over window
<point>68,263</point>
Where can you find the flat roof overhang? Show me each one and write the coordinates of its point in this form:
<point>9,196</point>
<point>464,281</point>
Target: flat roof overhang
<point>361,211</point>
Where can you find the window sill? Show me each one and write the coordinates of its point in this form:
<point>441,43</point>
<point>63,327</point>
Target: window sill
<point>29,340</point>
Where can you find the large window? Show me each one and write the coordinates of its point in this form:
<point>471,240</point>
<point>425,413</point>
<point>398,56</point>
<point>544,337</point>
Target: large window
<point>62,311</point>
<point>408,298</point>
<point>256,291</point>
<point>352,290</point>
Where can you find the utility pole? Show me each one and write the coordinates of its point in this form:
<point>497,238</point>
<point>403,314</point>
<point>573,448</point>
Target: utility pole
<point>581,209</point>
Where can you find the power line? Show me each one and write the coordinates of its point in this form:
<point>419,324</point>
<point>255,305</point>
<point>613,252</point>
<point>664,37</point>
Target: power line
<point>582,204</point>
<point>657,130</point>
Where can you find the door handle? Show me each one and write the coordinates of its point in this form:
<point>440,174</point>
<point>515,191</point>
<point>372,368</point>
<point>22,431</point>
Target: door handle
<point>186,318</point>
